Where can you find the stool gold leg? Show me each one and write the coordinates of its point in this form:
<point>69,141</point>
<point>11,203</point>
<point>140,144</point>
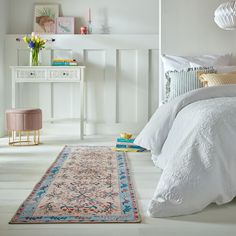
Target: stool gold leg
<point>38,136</point>
<point>23,138</point>
<point>28,136</point>
<point>34,136</point>
<point>20,137</point>
<point>9,137</point>
<point>13,137</point>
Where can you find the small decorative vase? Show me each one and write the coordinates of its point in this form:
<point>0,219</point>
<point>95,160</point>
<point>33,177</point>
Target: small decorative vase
<point>34,57</point>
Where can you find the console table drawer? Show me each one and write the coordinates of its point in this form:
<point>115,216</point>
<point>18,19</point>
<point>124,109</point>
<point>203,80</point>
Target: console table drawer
<point>65,74</point>
<point>30,74</point>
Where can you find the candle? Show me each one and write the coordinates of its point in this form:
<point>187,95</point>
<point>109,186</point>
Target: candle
<point>89,14</point>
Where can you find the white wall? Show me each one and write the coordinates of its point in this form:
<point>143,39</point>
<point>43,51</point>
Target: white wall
<point>123,16</point>
<point>121,62</point>
<point>121,83</point>
<point>188,28</point>
<point>3,31</point>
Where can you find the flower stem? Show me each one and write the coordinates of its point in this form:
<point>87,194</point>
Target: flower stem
<point>35,56</point>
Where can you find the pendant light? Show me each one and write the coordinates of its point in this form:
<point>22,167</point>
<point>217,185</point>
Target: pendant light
<point>225,15</point>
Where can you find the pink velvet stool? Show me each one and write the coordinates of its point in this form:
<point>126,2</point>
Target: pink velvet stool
<point>23,126</point>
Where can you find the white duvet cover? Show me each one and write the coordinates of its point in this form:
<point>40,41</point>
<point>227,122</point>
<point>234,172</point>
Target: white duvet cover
<point>193,139</point>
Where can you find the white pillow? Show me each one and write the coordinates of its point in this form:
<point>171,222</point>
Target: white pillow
<point>174,63</point>
<point>211,60</point>
<point>178,63</point>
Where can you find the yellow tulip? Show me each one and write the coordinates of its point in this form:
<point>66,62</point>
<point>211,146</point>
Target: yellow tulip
<point>25,39</point>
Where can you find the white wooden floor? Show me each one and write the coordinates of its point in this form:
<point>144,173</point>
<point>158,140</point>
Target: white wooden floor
<point>21,168</point>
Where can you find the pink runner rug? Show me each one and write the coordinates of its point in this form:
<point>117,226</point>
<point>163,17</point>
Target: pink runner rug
<point>83,185</point>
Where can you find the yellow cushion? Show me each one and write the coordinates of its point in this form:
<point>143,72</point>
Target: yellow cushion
<point>209,80</point>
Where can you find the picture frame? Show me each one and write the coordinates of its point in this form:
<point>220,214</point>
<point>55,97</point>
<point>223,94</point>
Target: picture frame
<point>45,18</point>
<point>65,25</point>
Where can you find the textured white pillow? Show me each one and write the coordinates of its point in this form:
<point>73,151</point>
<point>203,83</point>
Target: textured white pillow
<point>178,63</point>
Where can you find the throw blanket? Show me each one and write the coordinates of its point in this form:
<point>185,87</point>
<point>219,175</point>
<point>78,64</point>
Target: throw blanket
<point>193,141</point>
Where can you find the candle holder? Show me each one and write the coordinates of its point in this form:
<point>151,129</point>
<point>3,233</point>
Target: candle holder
<point>90,30</point>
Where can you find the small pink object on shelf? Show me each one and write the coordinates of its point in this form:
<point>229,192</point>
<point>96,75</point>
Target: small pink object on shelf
<point>83,30</point>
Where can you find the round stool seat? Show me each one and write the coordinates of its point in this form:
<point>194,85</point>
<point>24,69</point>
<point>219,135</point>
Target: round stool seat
<point>24,119</point>
<point>24,110</point>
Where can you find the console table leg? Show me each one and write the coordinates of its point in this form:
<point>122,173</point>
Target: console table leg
<point>82,105</point>
<point>52,102</point>
<point>13,95</point>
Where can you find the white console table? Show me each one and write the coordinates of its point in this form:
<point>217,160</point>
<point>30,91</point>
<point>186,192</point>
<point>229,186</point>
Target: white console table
<point>50,74</point>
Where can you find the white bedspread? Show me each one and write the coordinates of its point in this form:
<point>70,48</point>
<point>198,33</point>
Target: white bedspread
<point>193,140</point>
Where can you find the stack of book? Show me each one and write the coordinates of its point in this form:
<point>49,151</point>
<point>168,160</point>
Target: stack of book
<point>64,62</point>
<point>127,145</point>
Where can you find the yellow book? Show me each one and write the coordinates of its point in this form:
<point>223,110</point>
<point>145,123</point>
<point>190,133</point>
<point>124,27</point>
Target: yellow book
<point>63,60</point>
<point>127,150</point>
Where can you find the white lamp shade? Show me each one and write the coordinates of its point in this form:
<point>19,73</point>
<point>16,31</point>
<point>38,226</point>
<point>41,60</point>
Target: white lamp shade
<point>225,16</point>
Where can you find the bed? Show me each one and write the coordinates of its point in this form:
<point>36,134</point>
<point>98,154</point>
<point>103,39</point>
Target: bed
<point>192,139</point>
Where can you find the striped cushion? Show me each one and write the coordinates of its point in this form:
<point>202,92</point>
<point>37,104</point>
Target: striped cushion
<point>218,79</point>
<point>184,81</point>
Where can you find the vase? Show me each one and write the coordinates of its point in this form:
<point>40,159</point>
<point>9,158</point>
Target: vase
<point>34,57</point>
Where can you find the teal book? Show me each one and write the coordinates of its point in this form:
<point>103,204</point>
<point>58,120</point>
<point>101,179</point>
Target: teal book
<point>123,140</point>
<point>64,63</point>
<point>61,63</point>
